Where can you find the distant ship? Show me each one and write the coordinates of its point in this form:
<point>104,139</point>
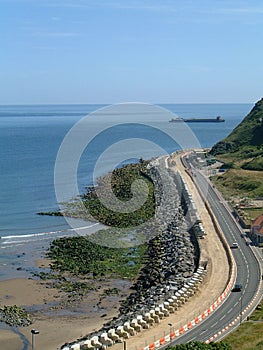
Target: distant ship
<point>198,120</point>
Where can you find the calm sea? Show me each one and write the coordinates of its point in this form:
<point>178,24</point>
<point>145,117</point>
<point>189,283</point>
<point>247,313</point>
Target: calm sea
<point>30,137</point>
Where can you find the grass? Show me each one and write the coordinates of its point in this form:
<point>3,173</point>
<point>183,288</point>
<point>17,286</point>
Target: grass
<point>242,155</point>
<point>253,213</point>
<point>254,164</point>
<point>249,335</point>
<point>244,146</point>
<point>240,182</point>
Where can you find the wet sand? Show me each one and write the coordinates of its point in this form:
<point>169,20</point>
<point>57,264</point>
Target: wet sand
<point>56,325</point>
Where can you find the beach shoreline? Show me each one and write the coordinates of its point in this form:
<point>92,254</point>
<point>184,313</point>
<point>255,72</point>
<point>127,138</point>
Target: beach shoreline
<point>57,322</point>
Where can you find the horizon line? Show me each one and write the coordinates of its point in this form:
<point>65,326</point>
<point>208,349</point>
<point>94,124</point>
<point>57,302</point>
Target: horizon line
<point>116,103</point>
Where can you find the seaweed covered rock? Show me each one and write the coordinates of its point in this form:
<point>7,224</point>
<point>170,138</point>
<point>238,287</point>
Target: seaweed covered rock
<point>15,316</point>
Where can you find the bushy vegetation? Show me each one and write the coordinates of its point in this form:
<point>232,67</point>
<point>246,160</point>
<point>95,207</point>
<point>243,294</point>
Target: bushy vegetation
<point>254,164</point>
<point>197,345</point>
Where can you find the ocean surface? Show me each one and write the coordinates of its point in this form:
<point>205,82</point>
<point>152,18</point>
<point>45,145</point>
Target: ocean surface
<point>31,137</point>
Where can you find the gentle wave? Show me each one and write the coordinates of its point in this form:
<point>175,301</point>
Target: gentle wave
<point>12,239</point>
<point>50,232</point>
<point>13,245</point>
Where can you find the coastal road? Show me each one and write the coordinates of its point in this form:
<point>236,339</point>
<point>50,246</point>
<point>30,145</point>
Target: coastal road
<point>248,271</point>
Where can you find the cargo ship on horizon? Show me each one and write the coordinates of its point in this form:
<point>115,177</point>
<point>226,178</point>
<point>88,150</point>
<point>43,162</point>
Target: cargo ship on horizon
<point>217,119</point>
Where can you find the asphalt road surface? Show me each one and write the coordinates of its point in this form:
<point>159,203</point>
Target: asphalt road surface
<point>248,272</point>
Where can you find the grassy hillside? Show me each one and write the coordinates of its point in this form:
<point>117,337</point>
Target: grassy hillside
<point>240,183</point>
<point>242,155</point>
<point>244,146</point>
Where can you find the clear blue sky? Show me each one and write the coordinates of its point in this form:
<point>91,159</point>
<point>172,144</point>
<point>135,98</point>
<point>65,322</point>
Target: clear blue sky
<point>109,51</point>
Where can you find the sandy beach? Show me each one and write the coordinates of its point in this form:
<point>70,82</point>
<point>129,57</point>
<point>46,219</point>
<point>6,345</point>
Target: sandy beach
<point>56,324</point>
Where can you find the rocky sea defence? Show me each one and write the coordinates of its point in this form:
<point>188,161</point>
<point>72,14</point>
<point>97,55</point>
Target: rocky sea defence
<point>170,272</point>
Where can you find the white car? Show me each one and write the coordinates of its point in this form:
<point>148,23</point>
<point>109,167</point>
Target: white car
<point>235,245</point>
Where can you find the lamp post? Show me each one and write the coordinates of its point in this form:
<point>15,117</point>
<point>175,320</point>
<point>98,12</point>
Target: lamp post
<point>33,332</point>
<point>170,324</point>
<point>241,295</point>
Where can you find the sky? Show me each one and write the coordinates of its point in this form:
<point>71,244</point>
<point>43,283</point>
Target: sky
<point>111,51</point>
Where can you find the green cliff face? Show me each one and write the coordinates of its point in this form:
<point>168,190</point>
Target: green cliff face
<point>242,155</point>
<point>245,143</point>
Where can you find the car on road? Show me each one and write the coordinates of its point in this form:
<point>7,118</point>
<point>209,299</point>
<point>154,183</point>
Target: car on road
<point>237,287</point>
<point>234,245</point>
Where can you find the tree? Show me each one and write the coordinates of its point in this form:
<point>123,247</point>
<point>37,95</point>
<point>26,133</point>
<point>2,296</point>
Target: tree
<point>197,345</point>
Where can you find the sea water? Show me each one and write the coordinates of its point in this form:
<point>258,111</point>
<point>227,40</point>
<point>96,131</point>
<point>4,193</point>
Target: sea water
<point>30,138</point>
